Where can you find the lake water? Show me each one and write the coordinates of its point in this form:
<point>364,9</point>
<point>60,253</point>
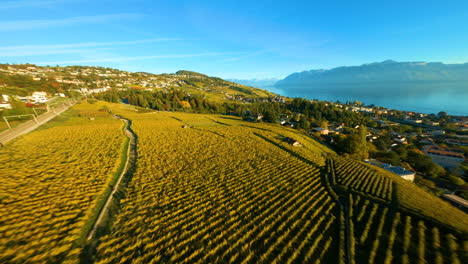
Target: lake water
<point>454,103</point>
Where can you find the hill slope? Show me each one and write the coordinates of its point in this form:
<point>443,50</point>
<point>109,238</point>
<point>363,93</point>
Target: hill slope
<point>216,189</point>
<point>24,79</point>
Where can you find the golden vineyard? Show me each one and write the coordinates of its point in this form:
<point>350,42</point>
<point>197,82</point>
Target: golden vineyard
<point>209,189</point>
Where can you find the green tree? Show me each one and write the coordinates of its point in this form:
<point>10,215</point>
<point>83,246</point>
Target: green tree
<point>270,116</point>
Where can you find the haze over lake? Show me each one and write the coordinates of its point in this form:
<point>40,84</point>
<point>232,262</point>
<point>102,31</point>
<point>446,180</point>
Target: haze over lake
<point>426,87</point>
<point>452,102</point>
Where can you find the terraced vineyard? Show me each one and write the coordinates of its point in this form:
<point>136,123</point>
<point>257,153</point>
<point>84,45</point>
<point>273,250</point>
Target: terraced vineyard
<point>359,178</point>
<point>211,189</point>
<point>225,197</point>
<point>383,232</point>
<point>51,180</point>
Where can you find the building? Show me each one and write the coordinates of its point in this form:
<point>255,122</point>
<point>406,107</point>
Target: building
<point>402,172</point>
<point>321,130</point>
<point>39,97</point>
<point>438,132</point>
<point>445,157</point>
<point>5,105</point>
<point>427,141</point>
<point>456,201</point>
<point>400,140</point>
<point>292,142</point>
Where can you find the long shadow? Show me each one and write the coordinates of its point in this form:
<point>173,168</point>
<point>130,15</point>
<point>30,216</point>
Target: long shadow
<point>292,153</point>
<point>206,130</point>
<point>219,122</point>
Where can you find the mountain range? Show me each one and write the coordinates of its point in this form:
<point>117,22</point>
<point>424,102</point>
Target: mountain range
<point>388,76</point>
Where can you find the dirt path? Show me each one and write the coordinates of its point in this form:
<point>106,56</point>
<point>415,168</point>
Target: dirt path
<point>130,159</point>
<point>102,222</point>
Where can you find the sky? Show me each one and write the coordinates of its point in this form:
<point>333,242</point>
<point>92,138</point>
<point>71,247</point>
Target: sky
<point>231,39</point>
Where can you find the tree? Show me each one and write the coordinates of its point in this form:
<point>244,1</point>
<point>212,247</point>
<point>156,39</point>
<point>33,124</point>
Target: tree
<point>324,124</point>
<point>304,123</point>
<point>270,116</point>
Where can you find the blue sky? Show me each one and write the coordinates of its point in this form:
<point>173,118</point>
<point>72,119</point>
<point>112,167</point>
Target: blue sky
<point>231,39</point>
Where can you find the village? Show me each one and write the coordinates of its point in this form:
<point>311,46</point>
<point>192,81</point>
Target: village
<point>77,80</point>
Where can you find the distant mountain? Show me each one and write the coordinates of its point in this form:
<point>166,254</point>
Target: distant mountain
<point>387,76</point>
<point>260,83</point>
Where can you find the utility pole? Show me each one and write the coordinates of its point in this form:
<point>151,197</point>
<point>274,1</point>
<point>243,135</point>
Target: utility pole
<point>6,121</point>
<point>35,119</point>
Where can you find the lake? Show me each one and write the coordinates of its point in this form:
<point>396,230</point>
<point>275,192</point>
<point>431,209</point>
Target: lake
<point>452,102</point>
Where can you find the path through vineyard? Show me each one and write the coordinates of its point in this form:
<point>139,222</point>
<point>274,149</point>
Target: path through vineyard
<point>118,187</point>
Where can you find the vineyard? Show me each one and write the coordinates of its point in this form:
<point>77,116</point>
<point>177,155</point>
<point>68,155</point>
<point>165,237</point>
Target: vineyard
<point>383,235</point>
<point>218,193</point>
<point>381,231</point>
<point>360,178</point>
<point>211,189</point>
<point>51,180</point>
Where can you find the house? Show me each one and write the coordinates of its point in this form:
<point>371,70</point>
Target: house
<point>39,97</point>
<point>321,130</point>
<point>426,141</point>
<point>437,132</point>
<point>5,105</point>
<point>445,157</point>
<point>413,121</point>
<point>402,172</point>
<point>292,142</point>
<point>400,140</point>
<point>5,98</point>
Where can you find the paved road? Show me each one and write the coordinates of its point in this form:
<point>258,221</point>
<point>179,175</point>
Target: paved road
<point>31,125</point>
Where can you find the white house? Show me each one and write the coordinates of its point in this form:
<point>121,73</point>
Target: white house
<point>39,97</point>
<point>400,140</point>
<point>402,172</point>
<point>5,105</point>
<point>321,130</point>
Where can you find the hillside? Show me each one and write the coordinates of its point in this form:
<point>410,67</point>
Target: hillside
<point>387,76</point>
<point>211,189</point>
<point>23,79</point>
